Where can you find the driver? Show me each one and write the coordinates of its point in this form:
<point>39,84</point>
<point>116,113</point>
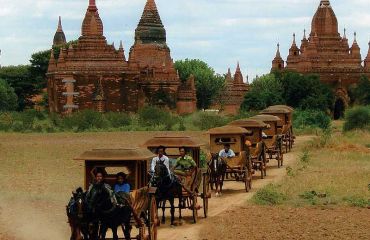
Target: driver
<point>226,152</point>
<point>184,163</point>
<point>160,157</point>
<point>99,180</point>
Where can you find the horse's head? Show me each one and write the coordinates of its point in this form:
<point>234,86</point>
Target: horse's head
<point>79,198</point>
<point>99,196</point>
<point>162,176</point>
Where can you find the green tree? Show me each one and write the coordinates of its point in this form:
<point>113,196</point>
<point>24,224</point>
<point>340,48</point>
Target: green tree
<point>20,79</point>
<point>207,82</point>
<point>39,67</point>
<point>361,92</point>
<point>306,91</point>
<point>8,98</point>
<point>265,91</point>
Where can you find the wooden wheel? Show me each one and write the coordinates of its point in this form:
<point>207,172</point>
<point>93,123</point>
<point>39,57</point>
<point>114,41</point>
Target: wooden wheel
<point>152,219</point>
<point>205,194</point>
<point>247,180</point>
<point>195,208</point>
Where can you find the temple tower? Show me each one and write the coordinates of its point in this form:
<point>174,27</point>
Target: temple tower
<point>59,37</point>
<point>327,54</point>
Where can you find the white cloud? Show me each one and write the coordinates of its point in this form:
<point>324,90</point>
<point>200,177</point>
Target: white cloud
<point>221,32</point>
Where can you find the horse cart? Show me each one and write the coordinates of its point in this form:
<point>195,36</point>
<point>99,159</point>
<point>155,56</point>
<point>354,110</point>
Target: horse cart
<point>285,126</point>
<point>254,139</point>
<point>240,166</point>
<point>272,139</point>
<point>197,182</point>
<point>134,163</point>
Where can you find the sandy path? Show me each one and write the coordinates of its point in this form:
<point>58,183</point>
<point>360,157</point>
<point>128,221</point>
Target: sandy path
<point>234,196</point>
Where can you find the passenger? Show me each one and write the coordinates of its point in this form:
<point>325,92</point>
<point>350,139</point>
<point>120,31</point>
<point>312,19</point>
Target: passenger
<point>226,152</point>
<point>161,157</point>
<point>184,163</point>
<point>122,185</point>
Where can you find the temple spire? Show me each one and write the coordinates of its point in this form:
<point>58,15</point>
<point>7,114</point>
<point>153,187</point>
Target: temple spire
<point>355,37</point>
<point>238,77</point>
<point>278,55</point>
<point>60,28</point>
<point>92,5</point>
<point>304,34</point>
<point>294,42</point>
<point>59,37</point>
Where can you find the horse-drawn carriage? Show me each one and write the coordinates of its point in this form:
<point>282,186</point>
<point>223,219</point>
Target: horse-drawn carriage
<point>272,139</point>
<point>134,163</point>
<point>240,166</point>
<point>285,126</point>
<point>196,184</point>
<point>254,139</point>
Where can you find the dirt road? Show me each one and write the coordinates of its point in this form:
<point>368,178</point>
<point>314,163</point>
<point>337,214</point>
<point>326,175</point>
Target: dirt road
<point>234,196</point>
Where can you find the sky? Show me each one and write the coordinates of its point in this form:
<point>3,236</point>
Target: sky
<point>219,32</point>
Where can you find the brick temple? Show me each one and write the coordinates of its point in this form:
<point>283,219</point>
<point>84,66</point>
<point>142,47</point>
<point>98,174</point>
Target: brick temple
<point>326,53</point>
<point>92,74</point>
<point>236,88</point>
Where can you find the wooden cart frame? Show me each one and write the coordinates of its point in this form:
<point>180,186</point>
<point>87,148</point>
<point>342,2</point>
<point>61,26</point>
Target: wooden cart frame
<point>136,161</point>
<point>255,139</point>
<point>273,140</point>
<point>285,126</point>
<point>200,177</point>
<point>240,167</point>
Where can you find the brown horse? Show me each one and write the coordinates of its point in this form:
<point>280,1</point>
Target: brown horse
<point>218,168</point>
<point>78,216</point>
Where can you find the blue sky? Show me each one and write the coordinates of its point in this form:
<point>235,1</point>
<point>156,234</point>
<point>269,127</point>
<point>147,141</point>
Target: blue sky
<point>220,32</point>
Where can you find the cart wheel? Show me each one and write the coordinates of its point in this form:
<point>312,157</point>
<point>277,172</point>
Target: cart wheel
<point>152,219</point>
<point>247,180</point>
<point>195,209</point>
<point>205,194</point>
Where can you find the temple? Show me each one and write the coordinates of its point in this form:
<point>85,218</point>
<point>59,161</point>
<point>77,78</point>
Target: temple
<point>233,96</point>
<point>326,53</point>
<point>92,74</point>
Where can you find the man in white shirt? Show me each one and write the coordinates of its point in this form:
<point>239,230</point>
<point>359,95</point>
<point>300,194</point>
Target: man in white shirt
<point>161,157</point>
<point>226,152</point>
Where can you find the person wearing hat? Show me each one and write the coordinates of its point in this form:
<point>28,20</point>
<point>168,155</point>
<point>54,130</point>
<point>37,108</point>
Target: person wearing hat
<point>226,152</point>
<point>161,157</point>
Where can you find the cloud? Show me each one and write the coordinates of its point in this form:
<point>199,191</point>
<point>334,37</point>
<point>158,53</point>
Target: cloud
<point>220,32</point>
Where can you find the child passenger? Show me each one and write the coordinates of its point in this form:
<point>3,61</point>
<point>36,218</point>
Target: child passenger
<point>121,185</point>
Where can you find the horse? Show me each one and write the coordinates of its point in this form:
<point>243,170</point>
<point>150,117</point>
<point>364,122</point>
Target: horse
<point>110,212</point>
<point>78,217</point>
<point>217,168</point>
<point>168,187</point>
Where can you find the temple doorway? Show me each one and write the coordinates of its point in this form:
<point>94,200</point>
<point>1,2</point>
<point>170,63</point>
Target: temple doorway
<point>339,109</point>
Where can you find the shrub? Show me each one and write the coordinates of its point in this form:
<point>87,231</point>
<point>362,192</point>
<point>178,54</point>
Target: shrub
<point>203,159</point>
<point>357,202</point>
<point>357,118</point>
<point>182,125</point>
<point>268,195</point>
<point>85,120</point>
<point>311,118</point>
<point>18,126</point>
<point>205,121</point>
<point>6,120</point>
<point>117,120</point>
<point>8,98</point>
<point>155,117</point>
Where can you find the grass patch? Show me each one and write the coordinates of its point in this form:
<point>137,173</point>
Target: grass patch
<point>268,195</point>
<point>331,170</point>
